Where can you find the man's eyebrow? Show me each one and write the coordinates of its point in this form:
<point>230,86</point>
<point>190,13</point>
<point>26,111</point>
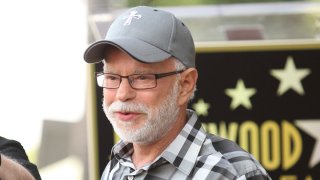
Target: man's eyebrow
<point>142,71</point>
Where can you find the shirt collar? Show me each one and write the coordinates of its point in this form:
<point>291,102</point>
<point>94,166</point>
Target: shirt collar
<point>185,148</point>
<point>182,152</point>
<point>122,150</point>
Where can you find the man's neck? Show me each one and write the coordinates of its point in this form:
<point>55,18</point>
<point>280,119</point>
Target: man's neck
<point>144,154</point>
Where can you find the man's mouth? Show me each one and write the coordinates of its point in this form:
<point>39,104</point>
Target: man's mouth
<point>126,116</point>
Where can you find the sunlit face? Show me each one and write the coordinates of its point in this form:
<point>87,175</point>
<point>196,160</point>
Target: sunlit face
<point>141,116</point>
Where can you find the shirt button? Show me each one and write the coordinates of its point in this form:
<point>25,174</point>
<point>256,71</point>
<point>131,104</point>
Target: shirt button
<point>130,177</point>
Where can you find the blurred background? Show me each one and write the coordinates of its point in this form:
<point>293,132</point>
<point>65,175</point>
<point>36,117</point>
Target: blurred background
<point>44,79</point>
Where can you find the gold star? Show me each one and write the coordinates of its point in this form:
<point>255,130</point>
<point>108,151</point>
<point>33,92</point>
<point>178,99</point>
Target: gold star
<point>290,77</point>
<point>240,95</point>
<point>201,107</point>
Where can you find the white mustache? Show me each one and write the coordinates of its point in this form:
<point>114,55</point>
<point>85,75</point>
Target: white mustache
<point>126,107</point>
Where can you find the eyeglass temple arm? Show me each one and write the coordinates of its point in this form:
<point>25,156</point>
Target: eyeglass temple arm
<point>158,76</point>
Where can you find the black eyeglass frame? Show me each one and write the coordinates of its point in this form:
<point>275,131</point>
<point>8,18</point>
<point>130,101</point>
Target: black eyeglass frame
<point>157,76</point>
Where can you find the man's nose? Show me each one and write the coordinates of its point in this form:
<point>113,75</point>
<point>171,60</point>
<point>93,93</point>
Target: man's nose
<point>125,92</point>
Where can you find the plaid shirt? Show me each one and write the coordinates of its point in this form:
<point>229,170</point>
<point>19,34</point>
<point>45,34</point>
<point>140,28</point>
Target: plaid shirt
<point>194,154</point>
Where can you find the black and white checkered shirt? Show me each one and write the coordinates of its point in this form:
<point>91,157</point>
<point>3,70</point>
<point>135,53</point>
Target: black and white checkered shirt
<point>194,154</point>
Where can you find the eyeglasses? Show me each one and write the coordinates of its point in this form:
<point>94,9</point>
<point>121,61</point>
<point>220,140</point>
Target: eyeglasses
<point>136,81</point>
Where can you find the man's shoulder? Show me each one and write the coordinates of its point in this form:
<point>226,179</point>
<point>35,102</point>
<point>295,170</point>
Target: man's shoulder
<point>14,150</point>
<point>225,155</point>
<point>222,145</point>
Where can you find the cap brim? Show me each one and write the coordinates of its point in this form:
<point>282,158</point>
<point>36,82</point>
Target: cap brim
<point>138,49</point>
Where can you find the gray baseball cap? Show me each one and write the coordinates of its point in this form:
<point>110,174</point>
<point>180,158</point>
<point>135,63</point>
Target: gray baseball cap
<point>147,34</point>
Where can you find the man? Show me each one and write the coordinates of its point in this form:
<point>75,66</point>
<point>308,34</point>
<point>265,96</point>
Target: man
<point>14,162</point>
<point>149,77</point>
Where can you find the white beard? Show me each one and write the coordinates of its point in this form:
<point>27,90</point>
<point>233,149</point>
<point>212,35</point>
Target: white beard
<point>157,124</point>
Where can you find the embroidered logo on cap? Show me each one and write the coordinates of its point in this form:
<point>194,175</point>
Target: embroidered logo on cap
<point>130,17</point>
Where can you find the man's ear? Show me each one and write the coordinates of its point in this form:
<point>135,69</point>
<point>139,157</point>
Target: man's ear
<point>187,84</point>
